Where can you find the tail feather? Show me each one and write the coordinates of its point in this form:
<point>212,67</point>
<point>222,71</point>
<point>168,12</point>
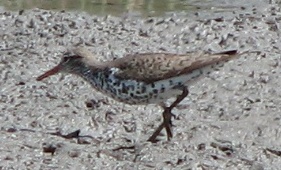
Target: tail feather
<point>230,52</point>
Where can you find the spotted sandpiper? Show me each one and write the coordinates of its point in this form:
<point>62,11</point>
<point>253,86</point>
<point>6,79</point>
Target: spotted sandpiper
<point>147,78</point>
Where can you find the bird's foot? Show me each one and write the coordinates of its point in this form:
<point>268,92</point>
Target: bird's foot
<point>167,124</point>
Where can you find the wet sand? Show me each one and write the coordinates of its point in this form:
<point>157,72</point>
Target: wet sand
<point>230,120</point>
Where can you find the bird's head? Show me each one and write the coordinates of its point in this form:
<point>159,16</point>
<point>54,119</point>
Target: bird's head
<point>68,64</point>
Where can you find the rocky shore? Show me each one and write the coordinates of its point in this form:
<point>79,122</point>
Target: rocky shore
<point>230,120</point>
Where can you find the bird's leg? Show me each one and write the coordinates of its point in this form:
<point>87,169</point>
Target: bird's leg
<point>167,115</point>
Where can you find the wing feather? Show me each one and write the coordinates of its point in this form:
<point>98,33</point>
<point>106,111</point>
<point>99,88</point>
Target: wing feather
<point>150,67</point>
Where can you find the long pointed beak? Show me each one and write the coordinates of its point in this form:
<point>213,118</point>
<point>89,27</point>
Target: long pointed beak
<point>53,71</point>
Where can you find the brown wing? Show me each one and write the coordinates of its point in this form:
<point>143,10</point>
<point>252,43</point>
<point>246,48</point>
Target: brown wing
<point>150,67</point>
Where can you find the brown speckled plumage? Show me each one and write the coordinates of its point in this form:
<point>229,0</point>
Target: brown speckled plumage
<point>151,67</point>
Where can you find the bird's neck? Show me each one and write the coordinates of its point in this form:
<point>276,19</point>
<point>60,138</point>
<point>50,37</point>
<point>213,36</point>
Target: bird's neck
<point>94,75</point>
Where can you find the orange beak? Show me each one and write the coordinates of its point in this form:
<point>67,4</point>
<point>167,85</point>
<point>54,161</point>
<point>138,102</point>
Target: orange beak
<point>53,71</point>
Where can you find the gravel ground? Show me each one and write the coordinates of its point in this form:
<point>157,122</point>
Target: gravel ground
<point>230,120</point>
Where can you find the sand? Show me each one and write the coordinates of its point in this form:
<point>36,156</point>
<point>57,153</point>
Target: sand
<point>230,120</point>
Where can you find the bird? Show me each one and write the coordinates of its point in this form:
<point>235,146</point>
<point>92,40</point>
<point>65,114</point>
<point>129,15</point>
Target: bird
<point>143,78</point>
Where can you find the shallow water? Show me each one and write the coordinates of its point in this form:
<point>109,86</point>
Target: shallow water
<point>140,7</point>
